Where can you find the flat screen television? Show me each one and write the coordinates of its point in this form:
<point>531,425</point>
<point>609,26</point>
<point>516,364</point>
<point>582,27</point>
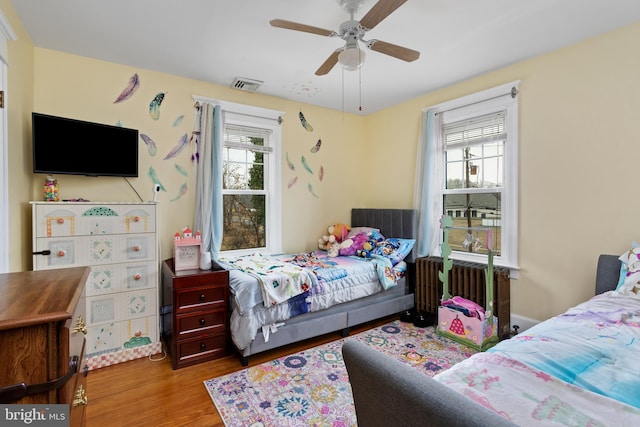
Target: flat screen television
<point>74,147</point>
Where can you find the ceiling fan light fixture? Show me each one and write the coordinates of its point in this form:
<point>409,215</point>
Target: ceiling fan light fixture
<point>351,58</point>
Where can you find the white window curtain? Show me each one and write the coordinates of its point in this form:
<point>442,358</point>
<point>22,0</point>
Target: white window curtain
<point>429,170</point>
<point>208,208</point>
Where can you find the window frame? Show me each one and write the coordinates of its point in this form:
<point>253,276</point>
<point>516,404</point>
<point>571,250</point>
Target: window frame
<point>271,120</point>
<point>500,98</point>
<point>272,180</point>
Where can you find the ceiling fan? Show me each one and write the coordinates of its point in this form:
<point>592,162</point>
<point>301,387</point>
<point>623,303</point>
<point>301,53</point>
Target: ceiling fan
<point>351,56</point>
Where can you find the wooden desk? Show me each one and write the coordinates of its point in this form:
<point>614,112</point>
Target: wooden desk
<point>42,338</point>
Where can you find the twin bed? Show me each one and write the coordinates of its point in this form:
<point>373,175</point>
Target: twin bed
<point>579,368</point>
<point>327,294</point>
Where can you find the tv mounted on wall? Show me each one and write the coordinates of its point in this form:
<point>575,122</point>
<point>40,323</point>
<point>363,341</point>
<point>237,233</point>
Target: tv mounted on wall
<point>74,147</point>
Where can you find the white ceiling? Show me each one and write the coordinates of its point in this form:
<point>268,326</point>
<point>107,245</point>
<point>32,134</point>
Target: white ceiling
<point>218,40</point>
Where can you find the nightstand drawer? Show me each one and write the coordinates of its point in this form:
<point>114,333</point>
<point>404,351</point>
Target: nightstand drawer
<point>208,322</point>
<point>201,347</point>
<point>189,279</point>
<point>199,298</point>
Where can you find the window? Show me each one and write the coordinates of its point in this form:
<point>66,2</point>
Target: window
<point>479,181</point>
<point>251,183</point>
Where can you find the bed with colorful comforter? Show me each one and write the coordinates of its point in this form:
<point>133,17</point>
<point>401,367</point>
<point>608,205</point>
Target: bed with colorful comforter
<point>279,299</point>
<point>580,368</point>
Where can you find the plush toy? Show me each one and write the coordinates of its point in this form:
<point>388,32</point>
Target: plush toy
<point>368,246</point>
<point>339,231</point>
<point>353,244</point>
<point>325,242</point>
<point>335,234</point>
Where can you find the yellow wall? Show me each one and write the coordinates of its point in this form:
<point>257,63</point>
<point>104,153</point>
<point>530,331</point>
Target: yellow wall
<point>85,89</point>
<point>19,102</point>
<point>578,151</point>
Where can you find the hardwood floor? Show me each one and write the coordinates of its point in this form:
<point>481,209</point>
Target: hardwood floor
<point>147,392</point>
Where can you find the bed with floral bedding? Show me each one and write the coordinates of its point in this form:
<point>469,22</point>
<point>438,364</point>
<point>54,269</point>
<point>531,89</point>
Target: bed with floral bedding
<point>580,368</point>
<point>279,299</point>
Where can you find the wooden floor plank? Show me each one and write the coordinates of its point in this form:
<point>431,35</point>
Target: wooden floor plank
<point>148,392</point>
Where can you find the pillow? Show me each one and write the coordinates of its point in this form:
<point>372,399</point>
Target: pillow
<point>394,249</point>
<point>631,288</point>
<point>624,270</point>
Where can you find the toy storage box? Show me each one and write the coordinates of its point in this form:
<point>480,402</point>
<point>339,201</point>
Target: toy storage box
<point>470,331</point>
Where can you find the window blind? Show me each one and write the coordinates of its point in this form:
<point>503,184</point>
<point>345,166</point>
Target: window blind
<point>479,130</point>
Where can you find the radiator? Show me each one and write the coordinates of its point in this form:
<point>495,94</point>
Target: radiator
<point>466,279</point>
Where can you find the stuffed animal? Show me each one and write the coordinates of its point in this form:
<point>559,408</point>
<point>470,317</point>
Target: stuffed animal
<point>325,242</point>
<point>368,246</point>
<point>339,231</point>
<point>353,244</point>
<point>335,234</point>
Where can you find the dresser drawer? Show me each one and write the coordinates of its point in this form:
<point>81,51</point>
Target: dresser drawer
<point>206,347</point>
<point>201,298</point>
<point>83,219</point>
<point>207,322</point>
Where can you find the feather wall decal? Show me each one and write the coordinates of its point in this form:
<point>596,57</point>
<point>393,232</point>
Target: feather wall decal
<point>310,188</point>
<point>305,123</point>
<point>292,181</point>
<point>321,173</point>
<point>181,192</point>
<point>181,170</point>
<point>154,178</point>
<point>154,106</point>
<point>290,163</point>
<point>316,147</point>
<point>182,142</point>
<point>151,145</point>
<point>178,120</point>
<point>306,165</point>
<point>132,86</point>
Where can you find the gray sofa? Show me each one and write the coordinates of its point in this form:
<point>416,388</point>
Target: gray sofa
<point>389,393</point>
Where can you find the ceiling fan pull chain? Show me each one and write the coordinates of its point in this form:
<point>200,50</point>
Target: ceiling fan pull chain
<point>360,88</point>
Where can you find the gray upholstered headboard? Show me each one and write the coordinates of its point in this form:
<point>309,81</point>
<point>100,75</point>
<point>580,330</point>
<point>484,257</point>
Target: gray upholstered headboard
<point>607,273</point>
<point>391,222</point>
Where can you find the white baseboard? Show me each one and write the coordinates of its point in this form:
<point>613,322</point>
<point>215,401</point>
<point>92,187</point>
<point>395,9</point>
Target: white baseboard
<point>523,323</point>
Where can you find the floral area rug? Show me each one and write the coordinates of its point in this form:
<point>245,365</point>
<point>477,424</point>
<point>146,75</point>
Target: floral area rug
<point>311,388</point>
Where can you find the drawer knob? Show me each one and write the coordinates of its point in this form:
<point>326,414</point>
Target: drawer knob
<point>203,297</point>
<point>136,248</point>
<point>136,219</point>
<point>61,253</point>
<point>60,221</point>
<point>80,397</point>
<point>202,321</point>
<point>203,346</point>
<point>137,276</point>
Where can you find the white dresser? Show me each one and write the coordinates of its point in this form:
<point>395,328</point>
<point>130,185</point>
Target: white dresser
<point>119,242</point>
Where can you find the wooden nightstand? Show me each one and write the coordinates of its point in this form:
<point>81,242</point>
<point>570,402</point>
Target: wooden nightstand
<point>194,314</point>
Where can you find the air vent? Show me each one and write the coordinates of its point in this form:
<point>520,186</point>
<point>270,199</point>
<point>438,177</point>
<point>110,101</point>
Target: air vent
<point>248,85</point>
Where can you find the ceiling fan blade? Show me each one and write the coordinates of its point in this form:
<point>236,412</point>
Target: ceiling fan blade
<point>290,25</point>
<point>379,11</point>
<point>394,50</point>
<point>329,63</point>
